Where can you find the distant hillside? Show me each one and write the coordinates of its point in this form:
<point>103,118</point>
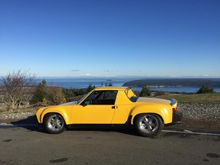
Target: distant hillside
<point>192,82</point>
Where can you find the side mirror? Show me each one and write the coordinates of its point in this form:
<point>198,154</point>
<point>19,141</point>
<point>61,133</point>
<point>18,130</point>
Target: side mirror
<point>85,103</point>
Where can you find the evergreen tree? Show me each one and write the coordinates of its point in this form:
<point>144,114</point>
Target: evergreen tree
<point>205,89</point>
<point>90,88</point>
<point>40,93</point>
<point>145,91</point>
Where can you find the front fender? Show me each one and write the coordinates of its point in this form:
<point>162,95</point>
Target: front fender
<point>165,112</point>
<point>44,111</point>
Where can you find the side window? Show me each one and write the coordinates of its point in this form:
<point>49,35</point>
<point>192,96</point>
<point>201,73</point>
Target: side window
<point>101,98</point>
<point>108,98</point>
<point>130,94</point>
<point>91,98</point>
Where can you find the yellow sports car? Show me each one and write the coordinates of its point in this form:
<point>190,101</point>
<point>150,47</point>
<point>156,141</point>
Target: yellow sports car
<point>112,105</point>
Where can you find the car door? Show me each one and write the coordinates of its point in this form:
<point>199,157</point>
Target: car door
<point>97,108</point>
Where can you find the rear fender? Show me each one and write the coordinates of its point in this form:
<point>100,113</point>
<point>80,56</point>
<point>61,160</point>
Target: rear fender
<point>165,112</point>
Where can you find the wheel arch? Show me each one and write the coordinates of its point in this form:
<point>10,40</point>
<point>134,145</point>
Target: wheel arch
<point>62,114</point>
<point>133,118</point>
<point>165,113</point>
<point>50,113</point>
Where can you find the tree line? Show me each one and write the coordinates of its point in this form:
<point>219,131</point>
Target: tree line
<point>18,91</point>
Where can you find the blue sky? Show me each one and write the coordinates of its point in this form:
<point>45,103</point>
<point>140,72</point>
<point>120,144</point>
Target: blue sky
<point>148,38</point>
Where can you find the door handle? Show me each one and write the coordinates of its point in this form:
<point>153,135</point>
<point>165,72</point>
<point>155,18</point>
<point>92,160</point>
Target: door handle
<point>114,107</point>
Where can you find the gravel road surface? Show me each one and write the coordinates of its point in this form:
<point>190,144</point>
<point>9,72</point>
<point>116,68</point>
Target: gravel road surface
<point>20,146</point>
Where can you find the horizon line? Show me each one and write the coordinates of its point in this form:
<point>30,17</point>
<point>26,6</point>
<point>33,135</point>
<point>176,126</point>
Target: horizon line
<point>132,77</point>
<point>123,76</point>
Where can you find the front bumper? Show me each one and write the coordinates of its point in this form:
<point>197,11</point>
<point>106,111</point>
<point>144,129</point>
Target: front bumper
<point>177,116</point>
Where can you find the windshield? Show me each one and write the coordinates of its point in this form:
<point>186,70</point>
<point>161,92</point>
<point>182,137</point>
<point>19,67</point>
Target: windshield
<point>70,103</point>
<point>76,100</point>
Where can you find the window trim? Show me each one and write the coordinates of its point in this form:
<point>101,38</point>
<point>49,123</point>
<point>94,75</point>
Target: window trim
<point>100,91</point>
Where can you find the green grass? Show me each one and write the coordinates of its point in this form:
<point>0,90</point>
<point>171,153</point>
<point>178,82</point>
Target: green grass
<point>194,98</point>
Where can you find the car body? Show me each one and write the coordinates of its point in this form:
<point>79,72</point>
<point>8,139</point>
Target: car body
<point>110,105</point>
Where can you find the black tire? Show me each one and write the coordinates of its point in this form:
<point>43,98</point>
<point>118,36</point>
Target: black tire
<point>54,123</point>
<point>148,125</point>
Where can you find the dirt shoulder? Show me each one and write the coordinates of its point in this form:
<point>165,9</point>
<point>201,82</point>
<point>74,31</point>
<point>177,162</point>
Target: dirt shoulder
<point>18,116</point>
<point>197,125</point>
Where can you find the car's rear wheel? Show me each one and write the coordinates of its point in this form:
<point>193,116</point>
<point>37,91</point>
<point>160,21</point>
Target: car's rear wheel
<point>54,123</point>
<point>148,124</point>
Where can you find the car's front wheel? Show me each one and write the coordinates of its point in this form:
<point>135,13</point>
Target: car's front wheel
<point>54,123</point>
<point>148,124</point>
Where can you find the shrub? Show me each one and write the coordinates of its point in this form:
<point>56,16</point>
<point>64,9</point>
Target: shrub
<point>145,91</point>
<point>40,95</point>
<point>47,95</point>
<point>15,86</point>
<point>205,89</point>
<point>55,95</point>
<point>71,93</point>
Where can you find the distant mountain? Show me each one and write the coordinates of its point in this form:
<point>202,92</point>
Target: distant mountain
<point>189,82</point>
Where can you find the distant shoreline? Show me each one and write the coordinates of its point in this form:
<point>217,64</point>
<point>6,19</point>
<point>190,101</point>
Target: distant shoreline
<point>192,82</point>
<point>174,85</point>
<point>171,85</point>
